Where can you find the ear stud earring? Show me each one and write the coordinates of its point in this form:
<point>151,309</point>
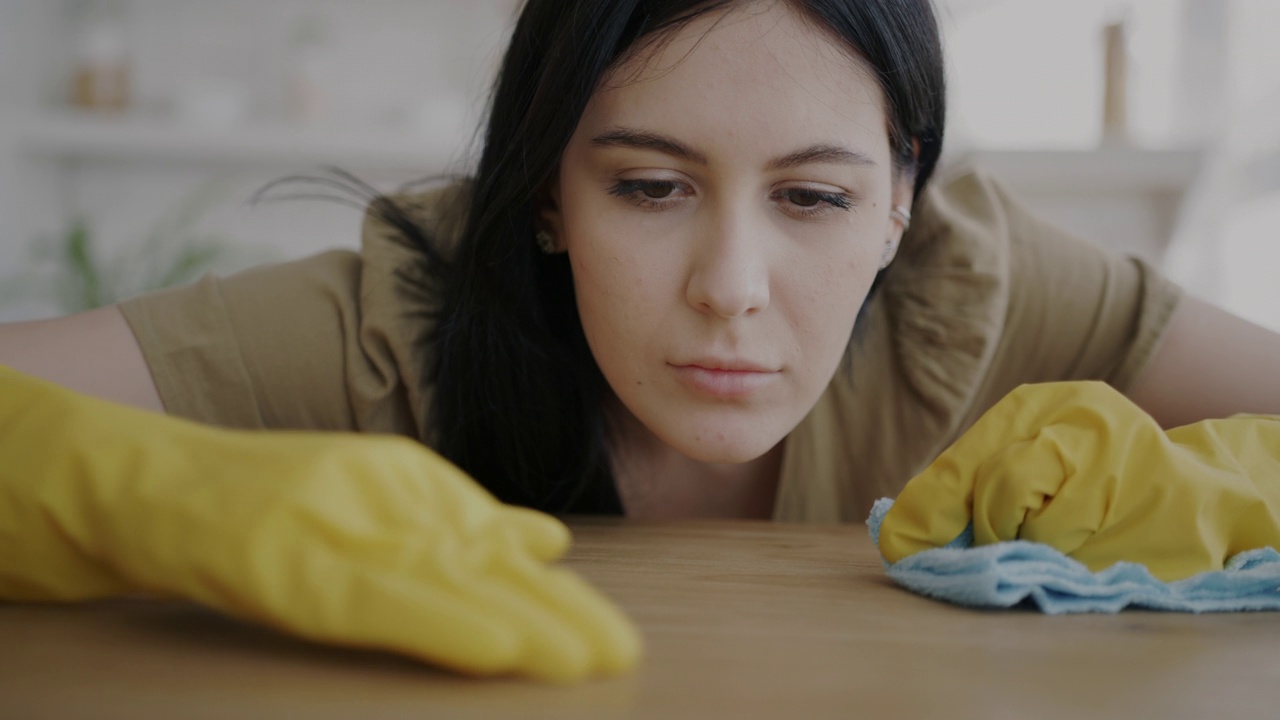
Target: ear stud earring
<point>546,243</point>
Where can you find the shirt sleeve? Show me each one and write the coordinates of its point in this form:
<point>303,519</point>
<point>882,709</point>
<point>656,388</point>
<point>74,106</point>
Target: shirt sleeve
<point>337,341</point>
<point>983,297</point>
<point>265,348</point>
<point>1076,311</point>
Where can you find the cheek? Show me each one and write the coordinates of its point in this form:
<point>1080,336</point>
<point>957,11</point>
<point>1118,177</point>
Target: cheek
<point>617,289</point>
<point>827,296</point>
<point>601,295</point>
<point>620,273</point>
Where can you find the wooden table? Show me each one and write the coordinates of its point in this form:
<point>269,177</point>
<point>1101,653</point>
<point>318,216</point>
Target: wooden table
<point>742,620</point>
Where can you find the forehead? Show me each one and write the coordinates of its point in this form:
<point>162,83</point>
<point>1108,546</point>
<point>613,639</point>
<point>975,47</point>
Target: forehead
<point>755,70</point>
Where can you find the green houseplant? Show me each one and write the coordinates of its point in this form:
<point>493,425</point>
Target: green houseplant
<point>73,274</point>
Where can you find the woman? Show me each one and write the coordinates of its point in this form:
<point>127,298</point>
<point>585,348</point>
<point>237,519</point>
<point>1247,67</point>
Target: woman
<point>645,301</point>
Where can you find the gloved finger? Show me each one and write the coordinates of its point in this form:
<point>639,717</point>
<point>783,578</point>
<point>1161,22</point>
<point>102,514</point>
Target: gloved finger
<point>931,511</point>
<point>937,505</point>
<point>473,571</point>
<point>543,536</point>
<point>614,642</point>
<point>552,647</point>
<point>449,606</point>
<point>364,605</point>
<point>1125,498</point>
<point>1026,492</point>
<point>426,488</point>
<point>1060,487</point>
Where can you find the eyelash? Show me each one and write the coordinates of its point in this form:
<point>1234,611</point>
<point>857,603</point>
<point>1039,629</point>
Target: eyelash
<point>824,202</point>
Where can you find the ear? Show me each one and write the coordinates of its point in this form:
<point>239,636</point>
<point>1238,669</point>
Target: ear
<point>904,186</point>
<point>549,217</point>
<point>898,220</point>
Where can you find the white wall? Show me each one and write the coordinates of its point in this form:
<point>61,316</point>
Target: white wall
<point>1030,73</point>
<point>386,69</point>
<point>30,33</point>
<point>1205,74</point>
<point>1024,76</point>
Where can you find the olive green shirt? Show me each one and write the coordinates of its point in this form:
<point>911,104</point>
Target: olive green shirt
<point>982,298</point>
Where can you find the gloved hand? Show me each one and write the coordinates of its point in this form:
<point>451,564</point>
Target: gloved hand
<point>366,541</point>
<point>1078,466</point>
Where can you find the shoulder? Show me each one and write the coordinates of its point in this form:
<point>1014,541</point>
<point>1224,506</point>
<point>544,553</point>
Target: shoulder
<point>399,292</point>
<point>922,347</point>
<point>991,296</point>
<point>942,306</point>
<point>336,341</point>
<point>401,231</point>
<point>984,296</point>
<point>932,341</point>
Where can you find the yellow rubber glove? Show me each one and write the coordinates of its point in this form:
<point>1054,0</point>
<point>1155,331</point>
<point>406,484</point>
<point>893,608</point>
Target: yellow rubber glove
<point>1078,466</point>
<point>365,541</point>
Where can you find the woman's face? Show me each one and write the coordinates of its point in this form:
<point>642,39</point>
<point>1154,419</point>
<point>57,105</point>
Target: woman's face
<point>724,203</point>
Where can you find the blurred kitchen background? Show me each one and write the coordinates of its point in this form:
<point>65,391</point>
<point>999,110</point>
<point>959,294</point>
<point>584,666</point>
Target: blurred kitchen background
<point>134,132</point>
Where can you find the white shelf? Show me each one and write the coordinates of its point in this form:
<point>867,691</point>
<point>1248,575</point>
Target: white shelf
<point>71,136</point>
<point>1106,170</point>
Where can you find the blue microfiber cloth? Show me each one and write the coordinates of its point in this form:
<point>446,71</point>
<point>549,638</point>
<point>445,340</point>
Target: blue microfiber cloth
<point>1008,573</point>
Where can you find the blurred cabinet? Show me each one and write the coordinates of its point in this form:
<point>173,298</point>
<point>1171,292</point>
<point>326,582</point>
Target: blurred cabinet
<point>404,86</point>
<point>76,136</point>
<point>211,117</point>
<point>1125,198</point>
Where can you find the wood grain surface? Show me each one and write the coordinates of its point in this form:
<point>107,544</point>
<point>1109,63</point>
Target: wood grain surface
<point>741,620</point>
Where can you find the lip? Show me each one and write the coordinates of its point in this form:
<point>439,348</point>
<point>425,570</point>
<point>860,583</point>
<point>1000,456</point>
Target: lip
<point>724,379</point>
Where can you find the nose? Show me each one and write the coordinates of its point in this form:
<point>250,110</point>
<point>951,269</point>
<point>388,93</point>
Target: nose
<point>729,271</point>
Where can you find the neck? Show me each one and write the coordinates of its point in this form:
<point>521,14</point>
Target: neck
<point>655,481</point>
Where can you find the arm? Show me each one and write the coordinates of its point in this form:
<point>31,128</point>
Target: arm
<point>93,352</point>
<point>1211,364</point>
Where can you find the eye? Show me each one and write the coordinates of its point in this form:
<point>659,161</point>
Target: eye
<point>657,191</point>
<point>810,203</point>
<point>649,194</point>
<point>804,198</point>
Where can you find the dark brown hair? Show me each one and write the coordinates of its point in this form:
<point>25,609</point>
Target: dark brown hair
<point>518,398</point>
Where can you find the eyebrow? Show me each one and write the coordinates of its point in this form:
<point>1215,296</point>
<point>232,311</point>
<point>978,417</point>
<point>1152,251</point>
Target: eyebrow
<point>646,140</point>
<point>828,154</point>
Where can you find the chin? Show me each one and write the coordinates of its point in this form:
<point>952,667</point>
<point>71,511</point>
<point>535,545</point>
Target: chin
<point>722,456</point>
<point>725,446</point>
